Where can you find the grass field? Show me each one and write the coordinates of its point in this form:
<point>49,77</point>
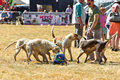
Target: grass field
<point>20,70</point>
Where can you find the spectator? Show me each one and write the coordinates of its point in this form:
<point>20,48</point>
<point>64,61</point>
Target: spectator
<point>115,27</point>
<point>78,18</point>
<point>59,59</point>
<point>94,27</point>
<point>13,9</point>
<point>103,21</point>
<point>14,14</point>
<point>69,9</point>
<point>51,11</point>
<point>86,20</point>
<point>45,11</point>
<point>4,16</point>
<point>9,16</point>
<point>56,11</point>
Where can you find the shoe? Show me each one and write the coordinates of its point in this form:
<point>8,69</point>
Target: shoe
<point>112,49</point>
<point>116,49</point>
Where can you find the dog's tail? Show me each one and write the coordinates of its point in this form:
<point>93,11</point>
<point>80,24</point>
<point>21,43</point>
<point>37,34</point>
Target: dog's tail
<point>52,32</point>
<point>19,46</point>
<point>111,37</point>
<point>10,45</point>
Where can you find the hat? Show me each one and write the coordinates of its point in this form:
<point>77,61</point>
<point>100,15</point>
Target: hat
<point>116,0</point>
<point>102,8</point>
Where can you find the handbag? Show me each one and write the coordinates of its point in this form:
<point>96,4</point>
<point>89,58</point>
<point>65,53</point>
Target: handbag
<point>114,16</point>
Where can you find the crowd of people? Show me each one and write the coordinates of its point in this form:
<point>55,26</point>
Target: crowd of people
<point>97,23</point>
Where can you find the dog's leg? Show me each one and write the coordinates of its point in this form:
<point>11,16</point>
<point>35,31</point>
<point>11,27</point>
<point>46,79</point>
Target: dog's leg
<point>79,56</point>
<point>63,50</point>
<point>26,53</point>
<point>48,53</point>
<point>29,51</point>
<point>44,57</point>
<point>17,51</point>
<point>86,58</point>
<point>105,59</point>
<point>69,50</point>
<point>36,56</point>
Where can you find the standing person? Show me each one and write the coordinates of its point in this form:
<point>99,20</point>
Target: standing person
<point>94,28</point>
<point>69,9</point>
<point>78,18</point>
<point>115,27</point>
<point>103,21</point>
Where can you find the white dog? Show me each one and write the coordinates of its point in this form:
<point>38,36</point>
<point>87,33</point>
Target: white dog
<point>21,42</point>
<point>40,46</point>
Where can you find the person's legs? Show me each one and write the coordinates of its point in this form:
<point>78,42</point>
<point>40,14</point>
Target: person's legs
<point>96,35</point>
<point>103,37</point>
<point>79,32</point>
<point>117,42</point>
<point>91,56</point>
<point>117,37</point>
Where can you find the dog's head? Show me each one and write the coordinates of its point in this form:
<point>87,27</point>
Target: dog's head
<point>56,50</point>
<point>74,36</point>
<point>81,40</point>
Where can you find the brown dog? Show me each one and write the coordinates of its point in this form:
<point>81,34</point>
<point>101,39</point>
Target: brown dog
<point>91,45</point>
<point>64,42</point>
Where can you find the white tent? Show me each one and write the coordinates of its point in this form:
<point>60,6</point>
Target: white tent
<point>20,2</point>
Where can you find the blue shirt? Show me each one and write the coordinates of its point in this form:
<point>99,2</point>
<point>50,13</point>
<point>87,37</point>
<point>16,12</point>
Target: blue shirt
<point>78,9</point>
<point>4,15</point>
<point>9,15</point>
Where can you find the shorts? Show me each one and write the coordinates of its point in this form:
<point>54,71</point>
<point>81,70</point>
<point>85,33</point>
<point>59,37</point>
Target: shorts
<point>96,34</point>
<point>104,30</point>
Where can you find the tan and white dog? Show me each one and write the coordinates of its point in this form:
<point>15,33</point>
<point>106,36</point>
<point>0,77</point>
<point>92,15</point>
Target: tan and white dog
<point>21,42</point>
<point>40,46</point>
<point>64,42</point>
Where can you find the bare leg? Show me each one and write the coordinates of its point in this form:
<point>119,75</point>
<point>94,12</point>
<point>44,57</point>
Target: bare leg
<point>117,41</point>
<point>113,43</point>
<point>103,38</point>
